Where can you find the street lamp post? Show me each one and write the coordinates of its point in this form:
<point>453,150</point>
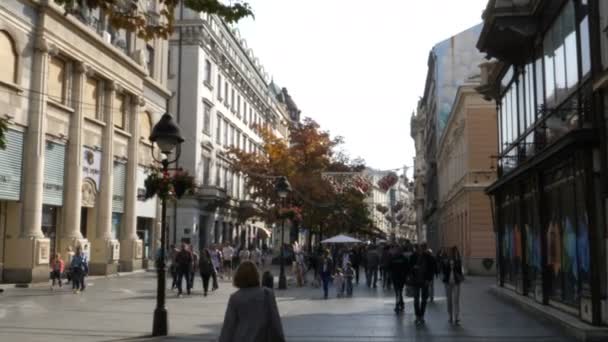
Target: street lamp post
<point>166,134</point>
<point>283,188</point>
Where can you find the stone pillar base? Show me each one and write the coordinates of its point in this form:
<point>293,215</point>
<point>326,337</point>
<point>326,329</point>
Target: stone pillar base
<point>131,252</point>
<point>27,261</point>
<point>104,257</point>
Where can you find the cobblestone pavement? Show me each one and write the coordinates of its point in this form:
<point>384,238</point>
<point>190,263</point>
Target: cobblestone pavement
<point>120,309</point>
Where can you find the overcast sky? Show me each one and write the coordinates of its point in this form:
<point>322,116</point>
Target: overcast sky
<point>356,66</point>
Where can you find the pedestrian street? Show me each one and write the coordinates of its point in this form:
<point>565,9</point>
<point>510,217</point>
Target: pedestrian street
<point>120,309</point>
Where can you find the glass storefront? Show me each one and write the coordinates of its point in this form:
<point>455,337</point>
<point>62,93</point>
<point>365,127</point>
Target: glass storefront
<point>116,225</point>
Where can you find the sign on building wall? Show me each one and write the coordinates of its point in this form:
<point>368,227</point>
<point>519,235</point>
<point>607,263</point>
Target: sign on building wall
<point>91,165</point>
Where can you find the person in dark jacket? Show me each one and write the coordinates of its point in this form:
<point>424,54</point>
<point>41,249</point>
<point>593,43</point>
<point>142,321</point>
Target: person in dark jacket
<point>398,267</point>
<point>183,260</point>
<point>326,270</point>
<point>451,269</point>
<point>373,262</point>
<point>422,270</point>
<point>355,259</point>
<point>206,269</point>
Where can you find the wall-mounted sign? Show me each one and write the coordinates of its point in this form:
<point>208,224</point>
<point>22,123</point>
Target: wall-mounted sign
<point>91,165</point>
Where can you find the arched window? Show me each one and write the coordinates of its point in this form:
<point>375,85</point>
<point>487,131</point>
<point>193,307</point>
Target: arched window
<point>145,125</point>
<point>8,56</point>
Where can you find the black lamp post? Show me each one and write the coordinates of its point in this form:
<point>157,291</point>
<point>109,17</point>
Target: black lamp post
<point>283,189</point>
<point>166,134</point>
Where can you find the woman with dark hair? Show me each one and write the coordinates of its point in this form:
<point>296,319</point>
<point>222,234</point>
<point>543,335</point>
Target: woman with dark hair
<point>252,314</point>
<point>452,277</point>
<point>206,268</point>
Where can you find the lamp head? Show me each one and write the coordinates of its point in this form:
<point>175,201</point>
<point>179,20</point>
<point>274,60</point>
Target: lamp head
<point>282,187</point>
<point>166,134</point>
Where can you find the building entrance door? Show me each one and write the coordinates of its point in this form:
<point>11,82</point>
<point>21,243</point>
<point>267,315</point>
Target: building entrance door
<point>49,226</point>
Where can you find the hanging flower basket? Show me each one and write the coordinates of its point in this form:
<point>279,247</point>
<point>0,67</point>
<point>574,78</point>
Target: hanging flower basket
<point>183,183</point>
<point>165,185</point>
<point>293,213</point>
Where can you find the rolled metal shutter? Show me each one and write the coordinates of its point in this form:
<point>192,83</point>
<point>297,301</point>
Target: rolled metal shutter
<point>54,172</point>
<point>11,161</point>
<point>118,191</point>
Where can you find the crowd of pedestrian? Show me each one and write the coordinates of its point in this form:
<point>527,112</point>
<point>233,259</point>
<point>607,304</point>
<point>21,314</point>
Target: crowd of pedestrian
<point>406,269</point>
<point>217,261</point>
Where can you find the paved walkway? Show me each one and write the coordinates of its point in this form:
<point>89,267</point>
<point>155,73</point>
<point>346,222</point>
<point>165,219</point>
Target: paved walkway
<point>120,309</point>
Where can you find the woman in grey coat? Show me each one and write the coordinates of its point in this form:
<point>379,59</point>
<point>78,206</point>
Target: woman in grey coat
<point>252,314</point>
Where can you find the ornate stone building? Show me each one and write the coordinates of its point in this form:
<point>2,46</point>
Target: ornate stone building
<point>79,99</point>
<point>465,169</point>
<point>224,93</point>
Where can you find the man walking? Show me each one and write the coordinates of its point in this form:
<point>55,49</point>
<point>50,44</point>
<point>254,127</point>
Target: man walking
<point>373,262</point>
<point>422,266</point>
<point>183,261</point>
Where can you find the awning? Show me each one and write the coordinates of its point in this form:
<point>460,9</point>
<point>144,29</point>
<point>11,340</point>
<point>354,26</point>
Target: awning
<point>264,232</point>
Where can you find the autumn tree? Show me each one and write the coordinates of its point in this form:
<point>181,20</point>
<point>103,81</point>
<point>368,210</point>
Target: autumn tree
<point>132,15</point>
<point>309,153</point>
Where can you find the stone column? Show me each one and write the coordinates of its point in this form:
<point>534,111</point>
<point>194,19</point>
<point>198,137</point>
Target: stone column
<point>27,256</point>
<point>131,246</point>
<point>71,236</point>
<point>105,249</point>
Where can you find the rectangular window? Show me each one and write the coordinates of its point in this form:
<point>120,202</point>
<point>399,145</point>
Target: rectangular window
<point>540,82</point>
<point>226,128</point>
<point>150,60</point>
<point>232,103</point>
<point>226,182</point>
<point>219,87</point>
<point>232,136</point>
<point>245,111</point>
<point>522,124</point>
<point>91,96</point>
<point>206,119</point>
<point>206,170</point>
<point>218,130</point>
<point>218,174</point>
<point>238,139</point>
<point>238,186</point>
<point>238,106</point>
<point>118,115</point>
<point>583,24</point>
<point>56,81</point>
<point>207,72</point>
<point>226,94</point>
<point>251,123</point>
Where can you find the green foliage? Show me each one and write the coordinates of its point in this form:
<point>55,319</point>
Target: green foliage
<point>130,14</point>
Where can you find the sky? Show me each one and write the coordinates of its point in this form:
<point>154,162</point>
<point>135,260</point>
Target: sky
<point>357,67</point>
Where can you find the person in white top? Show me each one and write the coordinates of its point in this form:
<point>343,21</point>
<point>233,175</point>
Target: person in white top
<point>228,253</point>
<point>256,256</point>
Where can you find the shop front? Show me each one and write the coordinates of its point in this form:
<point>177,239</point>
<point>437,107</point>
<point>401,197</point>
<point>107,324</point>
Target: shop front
<point>146,214</point>
<point>52,193</point>
<point>11,160</point>
<point>545,234</point>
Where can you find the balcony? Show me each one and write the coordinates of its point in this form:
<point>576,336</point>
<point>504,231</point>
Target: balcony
<point>210,193</point>
<point>509,29</point>
<point>489,85</point>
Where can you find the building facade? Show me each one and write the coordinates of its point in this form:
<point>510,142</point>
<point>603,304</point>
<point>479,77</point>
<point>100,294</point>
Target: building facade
<point>451,62</point>
<point>548,78</point>
<point>378,203</point>
<point>79,99</point>
<point>465,169</point>
<point>417,132</point>
<point>223,95</point>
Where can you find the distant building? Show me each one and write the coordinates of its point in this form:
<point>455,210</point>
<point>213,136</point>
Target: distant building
<point>451,62</point>
<point>464,169</point>
<point>222,94</point>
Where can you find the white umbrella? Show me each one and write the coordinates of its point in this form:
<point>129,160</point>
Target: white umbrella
<point>341,239</point>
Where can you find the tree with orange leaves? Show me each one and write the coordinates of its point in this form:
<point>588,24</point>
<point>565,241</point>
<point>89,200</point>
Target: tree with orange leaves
<point>303,159</point>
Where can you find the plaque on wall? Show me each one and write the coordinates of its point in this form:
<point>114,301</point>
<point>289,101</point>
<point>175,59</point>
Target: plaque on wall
<point>44,250</point>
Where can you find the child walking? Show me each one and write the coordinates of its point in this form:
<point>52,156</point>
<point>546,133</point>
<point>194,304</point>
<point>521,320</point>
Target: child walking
<point>57,267</point>
<point>349,275</point>
<point>339,282</point>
